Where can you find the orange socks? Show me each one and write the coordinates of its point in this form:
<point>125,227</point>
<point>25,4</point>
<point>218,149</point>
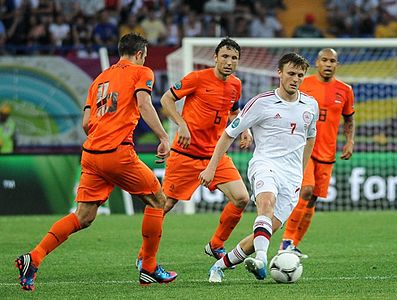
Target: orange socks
<point>152,226</point>
<point>304,224</point>
<point>58,233</point>
<point>230,216</point>
<point>294,220</point>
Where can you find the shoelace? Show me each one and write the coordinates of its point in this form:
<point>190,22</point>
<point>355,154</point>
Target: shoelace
<point>161,271</point>
<point>220,251</point>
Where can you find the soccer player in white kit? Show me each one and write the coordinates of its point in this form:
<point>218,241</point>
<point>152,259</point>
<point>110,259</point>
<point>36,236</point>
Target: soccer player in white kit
<point>283,124</point>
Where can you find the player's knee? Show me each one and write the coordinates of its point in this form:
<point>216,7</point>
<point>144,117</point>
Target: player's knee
<point>307,193</point>
<point>240,200</point>
<point>86,221</point>
<point>169,204</point>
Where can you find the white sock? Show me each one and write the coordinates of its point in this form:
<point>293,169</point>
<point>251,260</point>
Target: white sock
<point>262,233</point>
<point>234,257</point>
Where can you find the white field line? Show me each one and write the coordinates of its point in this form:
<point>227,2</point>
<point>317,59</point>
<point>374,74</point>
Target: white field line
<point>233,279</point>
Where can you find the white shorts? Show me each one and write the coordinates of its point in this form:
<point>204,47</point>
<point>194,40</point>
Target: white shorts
<point>285,189</point>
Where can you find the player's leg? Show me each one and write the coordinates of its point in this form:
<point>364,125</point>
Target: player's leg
<point>139,180</point>
<point>231,214</point>
<point>92,191</point>
<point>237,255</point>
<point>179,183</point>
<point>152,224</point>
<point>296,217</point>
<point>322,173</point>
<point>228,180</point>
<point>308,212</point>
<point>29,263</point>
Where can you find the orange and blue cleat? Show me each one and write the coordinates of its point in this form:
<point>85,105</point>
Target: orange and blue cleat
<point>27,272</point>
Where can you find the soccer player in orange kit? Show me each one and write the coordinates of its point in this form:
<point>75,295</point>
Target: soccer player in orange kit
<point>335,99</point>
<point>211,101</point>
<point>115,101</point>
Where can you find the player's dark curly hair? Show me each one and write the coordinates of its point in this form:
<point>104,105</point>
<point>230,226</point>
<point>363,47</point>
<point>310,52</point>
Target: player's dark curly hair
<point>131,43</point>
<point>295,59</point>
<point>230,44</point>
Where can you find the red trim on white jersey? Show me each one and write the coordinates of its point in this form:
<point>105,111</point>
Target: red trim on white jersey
<point>250,103</point>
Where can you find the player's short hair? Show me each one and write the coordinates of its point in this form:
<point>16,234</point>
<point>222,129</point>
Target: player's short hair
<point>131,43</point>
<point>333,51</point>
<point>295,59</point>
<point>230,44</point>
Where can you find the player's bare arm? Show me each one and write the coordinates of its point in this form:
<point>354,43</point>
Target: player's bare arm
<point>307,151</point>
<point>86,119</point>
<point>168,103</point>
<point>221,147</point>
<point>246,138</point>
<point>151,118</point>
<point>348,131</point>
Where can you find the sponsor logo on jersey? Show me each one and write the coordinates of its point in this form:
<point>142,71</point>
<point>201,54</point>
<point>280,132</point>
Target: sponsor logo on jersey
<point>235,122</point>
<point>307,117</point>
<point>149,83</point>
<point>177,85</point>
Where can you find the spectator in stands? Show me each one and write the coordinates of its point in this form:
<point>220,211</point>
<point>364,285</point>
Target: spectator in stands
<point>60,31</point>
<point>241,27</point>
<point>81,34</point>
<point>39,38</point>
<point>340,17</point>
<point>174,31</point>
<point>105,33</point>
<point>387,26</point>
<point>265,24</point>
<point>3,37</point>
<point>308,29</point>
<point>91,8</point>
<point>154,28</point>
<point>130,25</point>
<point>16,22</point>
<point>192,26</point>
<point>390,6</point>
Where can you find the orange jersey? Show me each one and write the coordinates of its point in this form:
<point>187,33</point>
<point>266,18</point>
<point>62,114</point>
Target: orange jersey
<point>334,99</point>
<point>113,104</point>
<point>206,110</point>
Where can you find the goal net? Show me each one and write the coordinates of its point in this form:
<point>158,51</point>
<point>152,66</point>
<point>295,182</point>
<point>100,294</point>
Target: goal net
<point>369,179</point>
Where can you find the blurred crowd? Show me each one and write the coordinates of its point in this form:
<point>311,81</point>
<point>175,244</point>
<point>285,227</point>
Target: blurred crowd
<point>82,26</point>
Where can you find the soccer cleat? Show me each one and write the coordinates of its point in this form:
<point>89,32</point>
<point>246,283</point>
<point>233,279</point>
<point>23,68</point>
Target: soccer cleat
<point>288,246</point>
<point>27,272</point>
<point>217,253</point>
<point>138,264</point>
<point>256,267</point>
<point>158,276</point>
<point>215,274</point>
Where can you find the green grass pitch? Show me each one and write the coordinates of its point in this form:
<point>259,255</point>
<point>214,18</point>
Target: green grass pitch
<point>353,255</point>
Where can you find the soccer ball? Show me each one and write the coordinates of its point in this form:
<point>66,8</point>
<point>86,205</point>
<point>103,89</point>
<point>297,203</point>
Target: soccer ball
<point>286,267</point>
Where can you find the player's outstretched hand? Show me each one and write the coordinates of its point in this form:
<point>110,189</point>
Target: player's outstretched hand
<point>163,151</point>
<point>206,177</point>
<point>183,136</point>
<point>246,139</point>
<point>347,151</point>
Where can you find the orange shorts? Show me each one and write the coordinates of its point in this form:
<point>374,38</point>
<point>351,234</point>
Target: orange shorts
<point>318,175</point>
<point>182,172</point>
<point>101,172</point>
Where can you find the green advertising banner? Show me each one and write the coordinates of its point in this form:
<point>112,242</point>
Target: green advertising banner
<point>46,184</point>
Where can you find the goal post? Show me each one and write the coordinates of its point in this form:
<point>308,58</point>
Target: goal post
<point>369,179</point>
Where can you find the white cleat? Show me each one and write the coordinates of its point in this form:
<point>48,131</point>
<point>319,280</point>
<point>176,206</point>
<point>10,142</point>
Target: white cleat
<point>256,267</point>
<point>215,274</point>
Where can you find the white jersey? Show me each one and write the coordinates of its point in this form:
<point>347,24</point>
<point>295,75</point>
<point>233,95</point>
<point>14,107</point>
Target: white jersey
<point>280,129</point>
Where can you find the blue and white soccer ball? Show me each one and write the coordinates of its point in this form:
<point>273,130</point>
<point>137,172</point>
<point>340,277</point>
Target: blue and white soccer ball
<point>286,267</point>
